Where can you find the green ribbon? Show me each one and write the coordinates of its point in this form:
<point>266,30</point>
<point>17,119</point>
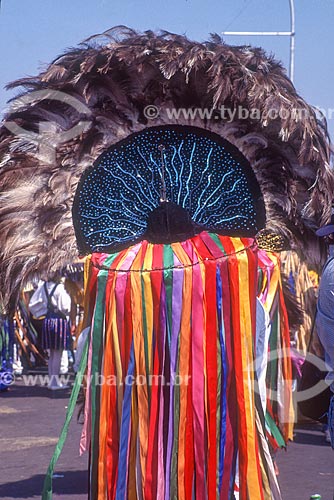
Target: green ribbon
<point>47,487</point>
<point>97,349</point>
<point>97,354</point>
<point>275,431</point>
<point>219,244</point>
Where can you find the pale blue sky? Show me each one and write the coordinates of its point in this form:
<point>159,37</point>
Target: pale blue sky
<point>33,32</point>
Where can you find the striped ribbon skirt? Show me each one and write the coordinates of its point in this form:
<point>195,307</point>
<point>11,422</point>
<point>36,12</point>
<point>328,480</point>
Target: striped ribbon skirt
<point>172,410</point>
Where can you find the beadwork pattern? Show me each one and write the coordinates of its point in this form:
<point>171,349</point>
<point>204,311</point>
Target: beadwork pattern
<point>198,170</point>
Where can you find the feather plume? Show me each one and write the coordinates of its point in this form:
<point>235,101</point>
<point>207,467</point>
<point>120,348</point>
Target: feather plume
<point>102,88</point>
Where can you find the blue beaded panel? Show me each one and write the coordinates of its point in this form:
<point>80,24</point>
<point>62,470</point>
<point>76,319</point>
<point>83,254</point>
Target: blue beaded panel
<point>202,173</point>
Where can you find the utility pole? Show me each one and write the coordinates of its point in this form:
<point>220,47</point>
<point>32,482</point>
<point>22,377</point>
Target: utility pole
<point>290,33</point>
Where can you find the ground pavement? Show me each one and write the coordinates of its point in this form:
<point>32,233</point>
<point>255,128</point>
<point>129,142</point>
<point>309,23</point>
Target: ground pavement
<point>30,423</point>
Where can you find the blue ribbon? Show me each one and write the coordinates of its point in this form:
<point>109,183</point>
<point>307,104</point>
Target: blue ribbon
<point>124,434</point>
<point>219,294</point>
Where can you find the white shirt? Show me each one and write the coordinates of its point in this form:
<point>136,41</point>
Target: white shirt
<point>60,299</point>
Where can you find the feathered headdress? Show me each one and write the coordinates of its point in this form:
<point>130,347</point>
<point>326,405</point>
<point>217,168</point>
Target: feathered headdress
<point>93,96</point>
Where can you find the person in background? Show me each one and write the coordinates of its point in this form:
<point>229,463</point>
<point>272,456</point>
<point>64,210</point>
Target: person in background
<point>325,310</point>
<point>51,302</point>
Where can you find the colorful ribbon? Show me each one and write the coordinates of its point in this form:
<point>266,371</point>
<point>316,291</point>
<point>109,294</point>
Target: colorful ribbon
<point>173,341</point>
